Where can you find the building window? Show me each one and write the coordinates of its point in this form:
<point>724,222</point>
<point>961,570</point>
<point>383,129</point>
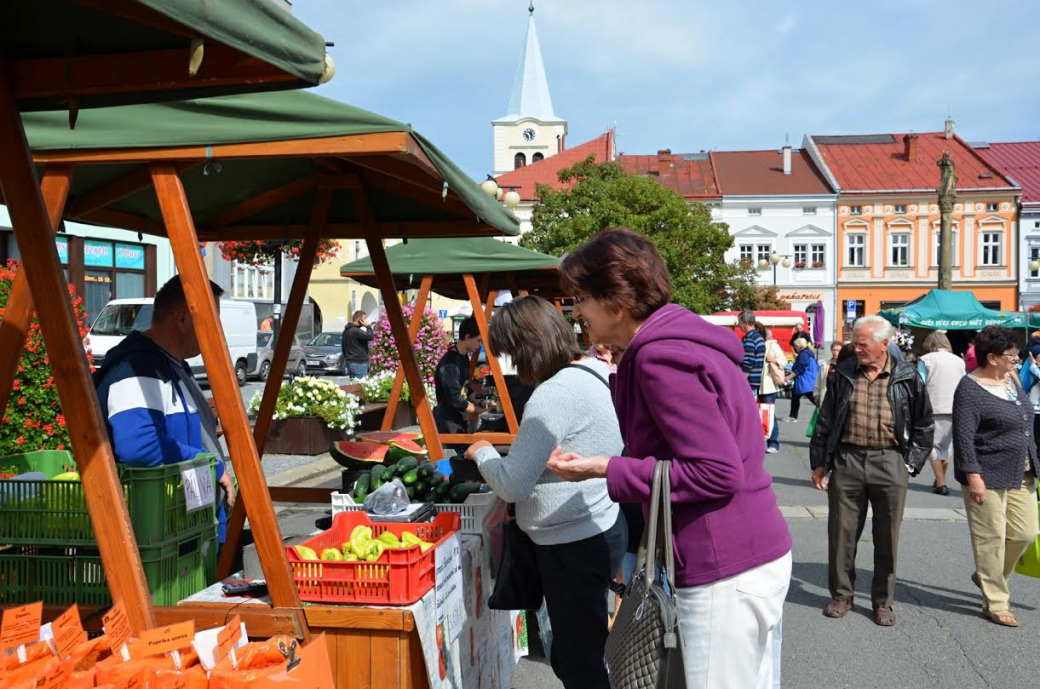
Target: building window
<point>855,210</point>
<point>764,251</point>
<point>808,210</point>
<point>817,256</point>
<point>536,157</point>
<point>252,282</point>
<point>991,249</point>
<point>901,209</point>
<point>991,207</point>
<point>519,161</point>
<point>747,254</point>
<point>899,244</point>
<point>935,248</point>
<point>857,250</point>
<point>1034,255</point>
<point>754,210</point>
<point>801,255</point>
<point>1036,224</point>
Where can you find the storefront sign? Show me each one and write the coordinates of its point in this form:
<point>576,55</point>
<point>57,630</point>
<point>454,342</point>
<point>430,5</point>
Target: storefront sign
<point>130,256</point>
<point>97,253</point>
<point>796,295</point>
<point>63,249</point>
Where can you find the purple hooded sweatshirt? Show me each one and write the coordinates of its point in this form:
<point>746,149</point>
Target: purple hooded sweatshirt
<point>680,395</point>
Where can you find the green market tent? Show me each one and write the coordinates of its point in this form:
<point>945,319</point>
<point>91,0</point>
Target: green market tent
<point>253,165</point>
<point>449,259</point>
<point>950,310</point>
<point>71,54</point>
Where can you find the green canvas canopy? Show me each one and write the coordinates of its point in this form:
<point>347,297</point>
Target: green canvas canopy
<point>448,259</point>
<point>950,310</point>
<point>67,54</point>
<point>253,164</point>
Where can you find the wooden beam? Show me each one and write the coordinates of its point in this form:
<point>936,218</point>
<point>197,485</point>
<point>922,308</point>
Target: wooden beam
<point>90,445</point>
<point>14,327</point>
<point>485,282</point>
<point>413,331</point>
<point>302,494</point>
<point>116,191</point>
<point>261,620</point>
<point>409,181</point>
<point>496,371</point>
<point>400,332</point>
<point>125,221</point>
<point>246,461</point>
<point>272,198</point>
<point>468,438</point>
<point>407,229</point>
<point>287,332</point>
<point>511,284</point>
<point>354,617</point>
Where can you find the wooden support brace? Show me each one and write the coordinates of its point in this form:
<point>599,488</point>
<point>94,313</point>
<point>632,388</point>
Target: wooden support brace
<point>86,426</point>
<point>413,332</point>
<point>496,371</point>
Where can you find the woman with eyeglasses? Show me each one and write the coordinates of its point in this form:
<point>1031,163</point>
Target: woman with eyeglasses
<point>994,459</point>
<point>680,395</point>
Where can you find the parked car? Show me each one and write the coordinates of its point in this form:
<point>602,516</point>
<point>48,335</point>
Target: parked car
<point>265,343</point>
<point>120,317</point>
<point>325,354</point>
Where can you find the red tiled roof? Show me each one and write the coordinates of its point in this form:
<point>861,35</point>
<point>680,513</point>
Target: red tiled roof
<point>692,176</point>
<point>752,173</point>
<point>1021,162</point>
<point>524,179</point>
<point>878,162</point>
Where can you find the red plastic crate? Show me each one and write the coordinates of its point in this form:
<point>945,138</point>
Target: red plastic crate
<point>400,577</point>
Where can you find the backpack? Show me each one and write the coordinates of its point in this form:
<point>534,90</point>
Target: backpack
<point>777,372</point>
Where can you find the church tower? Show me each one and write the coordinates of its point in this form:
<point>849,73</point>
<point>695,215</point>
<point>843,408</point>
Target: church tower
<point>530,131</point>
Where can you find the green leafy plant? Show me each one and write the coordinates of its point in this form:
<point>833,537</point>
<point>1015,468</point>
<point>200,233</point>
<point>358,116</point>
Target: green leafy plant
<point>314,397</point>
<point>33,419</point>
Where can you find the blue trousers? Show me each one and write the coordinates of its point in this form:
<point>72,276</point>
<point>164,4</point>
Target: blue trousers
<point>774,437</point>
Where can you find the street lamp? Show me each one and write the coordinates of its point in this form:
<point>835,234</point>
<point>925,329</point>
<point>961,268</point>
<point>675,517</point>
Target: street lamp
<point>775,258</point>
<point>507,195</point>
<point>1034,265</point>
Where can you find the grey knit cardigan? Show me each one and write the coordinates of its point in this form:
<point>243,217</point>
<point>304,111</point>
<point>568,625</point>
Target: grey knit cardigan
<point>992,436</point>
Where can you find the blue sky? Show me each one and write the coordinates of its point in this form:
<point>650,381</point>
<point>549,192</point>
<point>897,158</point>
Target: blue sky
<point>690,74</point>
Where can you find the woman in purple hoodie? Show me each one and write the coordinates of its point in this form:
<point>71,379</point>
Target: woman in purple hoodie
<point>680,395</point>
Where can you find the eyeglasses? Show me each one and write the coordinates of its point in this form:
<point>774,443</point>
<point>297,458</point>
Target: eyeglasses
<point>578,298</point>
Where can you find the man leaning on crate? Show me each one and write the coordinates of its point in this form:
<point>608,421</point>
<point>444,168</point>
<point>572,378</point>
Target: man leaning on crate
<point>154,409</point>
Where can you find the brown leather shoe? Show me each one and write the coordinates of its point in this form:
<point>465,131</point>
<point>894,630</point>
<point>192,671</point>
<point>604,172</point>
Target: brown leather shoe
<point>884,617</point>
<point>837,609</point>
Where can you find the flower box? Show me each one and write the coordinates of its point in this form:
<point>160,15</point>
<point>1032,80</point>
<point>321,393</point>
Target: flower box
<point>817,264</point>
<point>301,435</point>
<point>799,264</point>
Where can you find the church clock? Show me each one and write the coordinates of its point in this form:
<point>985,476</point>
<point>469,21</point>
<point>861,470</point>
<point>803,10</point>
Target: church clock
<point>528,134</point>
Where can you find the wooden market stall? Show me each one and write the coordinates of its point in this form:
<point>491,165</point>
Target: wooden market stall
<point>68,56</point>
<point>264,167</point>
<point>475,270</point>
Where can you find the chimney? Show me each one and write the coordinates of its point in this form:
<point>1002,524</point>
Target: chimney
<point>910,144</point>
<point>664,162</point>
<point>559,144</point>
<point>787,160</point>
<point>949,127</point>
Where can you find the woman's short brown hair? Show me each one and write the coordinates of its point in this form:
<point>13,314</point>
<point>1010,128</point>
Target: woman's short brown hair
<point>620,268</point>
<point>536,337</point>
<point>937,341</point>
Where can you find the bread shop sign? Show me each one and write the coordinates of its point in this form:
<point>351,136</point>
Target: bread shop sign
<point>795,295</point>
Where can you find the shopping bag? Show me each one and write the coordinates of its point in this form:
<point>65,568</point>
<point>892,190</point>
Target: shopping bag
<point>518,585</point>
<point>767,412</point>
<point>494,531</point>
<point>1029,563</point>
<point>309,668</point>
<point>812,423</point>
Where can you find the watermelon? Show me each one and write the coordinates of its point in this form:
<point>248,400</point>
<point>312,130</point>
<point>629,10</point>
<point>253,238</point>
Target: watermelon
<point>387,437</point>
<point>355,455</point>
<point>399,449</point>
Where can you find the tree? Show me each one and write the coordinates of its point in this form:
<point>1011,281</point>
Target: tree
<point>597,197</point>
<point>769,299</point>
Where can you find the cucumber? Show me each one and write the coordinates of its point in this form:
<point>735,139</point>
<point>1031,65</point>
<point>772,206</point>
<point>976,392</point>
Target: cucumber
<point>405,465</point>
<point>443,492</point>
<point>361,487</point>
<point>379,476</point>
<point>411,478</point>
<point>426,470</point>
<point>461,491</point>
<point>484,488</point>
<point>411,491</point>
<point>436,479</point>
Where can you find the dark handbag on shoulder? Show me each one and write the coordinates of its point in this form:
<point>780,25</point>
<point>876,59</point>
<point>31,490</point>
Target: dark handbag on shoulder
<point>644,648</point>
<point>518,585</point>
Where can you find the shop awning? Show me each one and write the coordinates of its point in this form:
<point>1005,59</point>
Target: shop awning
<point>72,54</point>
<point>449,259</point>
<point>253,164</point>
<point>950,310</point>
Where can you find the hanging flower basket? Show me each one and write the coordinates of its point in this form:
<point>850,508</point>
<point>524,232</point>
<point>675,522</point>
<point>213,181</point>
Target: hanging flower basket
<point>255,252</point>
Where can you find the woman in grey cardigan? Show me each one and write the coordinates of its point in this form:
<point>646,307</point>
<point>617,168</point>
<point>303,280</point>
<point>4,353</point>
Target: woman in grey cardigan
<point>579,536</point>
<point>994,458</point>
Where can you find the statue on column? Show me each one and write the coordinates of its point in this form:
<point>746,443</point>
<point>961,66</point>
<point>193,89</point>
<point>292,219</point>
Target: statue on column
<point>948,185</point>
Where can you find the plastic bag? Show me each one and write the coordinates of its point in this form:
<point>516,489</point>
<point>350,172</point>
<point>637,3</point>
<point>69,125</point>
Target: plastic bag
<point>389,498</point>
<point>255,660</point>
<point>494,529</point>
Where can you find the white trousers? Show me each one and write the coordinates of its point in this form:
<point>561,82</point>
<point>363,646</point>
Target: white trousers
<point>729,626</point>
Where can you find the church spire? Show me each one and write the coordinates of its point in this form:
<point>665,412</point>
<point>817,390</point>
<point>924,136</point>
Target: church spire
<point>530,95</point>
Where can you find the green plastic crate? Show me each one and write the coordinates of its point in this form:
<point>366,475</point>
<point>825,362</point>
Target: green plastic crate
<point>55,513</point>
<point>175,570</point>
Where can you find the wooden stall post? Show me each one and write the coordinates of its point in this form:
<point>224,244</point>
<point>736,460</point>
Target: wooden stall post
<point>485,284</point>
<point>185,244</point>
<point>496,371</point>
<point>381,268</point>
<point>15,324</point>
<point>237,518</point>
<point>94,457</point>
<point>413,332</point>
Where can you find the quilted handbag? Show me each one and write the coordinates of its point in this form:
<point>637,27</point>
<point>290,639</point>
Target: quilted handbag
<point>644,648</point>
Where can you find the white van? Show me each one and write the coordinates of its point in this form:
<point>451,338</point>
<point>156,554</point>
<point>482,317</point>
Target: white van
<point>122,316</point>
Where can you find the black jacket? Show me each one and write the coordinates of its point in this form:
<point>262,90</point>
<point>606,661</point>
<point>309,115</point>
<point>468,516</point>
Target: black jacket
<point>355,343</point>
<point>910,406</point>
<point>450,381</point>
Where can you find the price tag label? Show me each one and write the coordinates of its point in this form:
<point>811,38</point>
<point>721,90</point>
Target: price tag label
<point>117,627</point>
<point>56,677</point>
<point>199,491</point>
<point>165,639</point>
<point>228,637</point>
<point>21,626</point>
<point>68,632</point>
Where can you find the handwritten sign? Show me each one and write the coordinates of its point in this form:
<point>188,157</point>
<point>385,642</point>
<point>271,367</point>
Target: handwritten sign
<point>117,627</point>
<point>138,681</point>
<point>451,611</point>
<point>67,631</point>
<point>199,491</point>
<point>21,626</point>
<point>165,639</point>
<point>171,681</point>
<point>56,676</point>
<point>228,637</point>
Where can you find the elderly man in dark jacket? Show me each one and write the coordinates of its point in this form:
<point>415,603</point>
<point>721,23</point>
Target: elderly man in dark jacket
<point>874,431</point>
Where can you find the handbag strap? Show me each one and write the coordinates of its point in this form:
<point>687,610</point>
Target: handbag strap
<point>666,526</point>
<point>589,370</point>
<point>656,548</point>
<point>648,543</point>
